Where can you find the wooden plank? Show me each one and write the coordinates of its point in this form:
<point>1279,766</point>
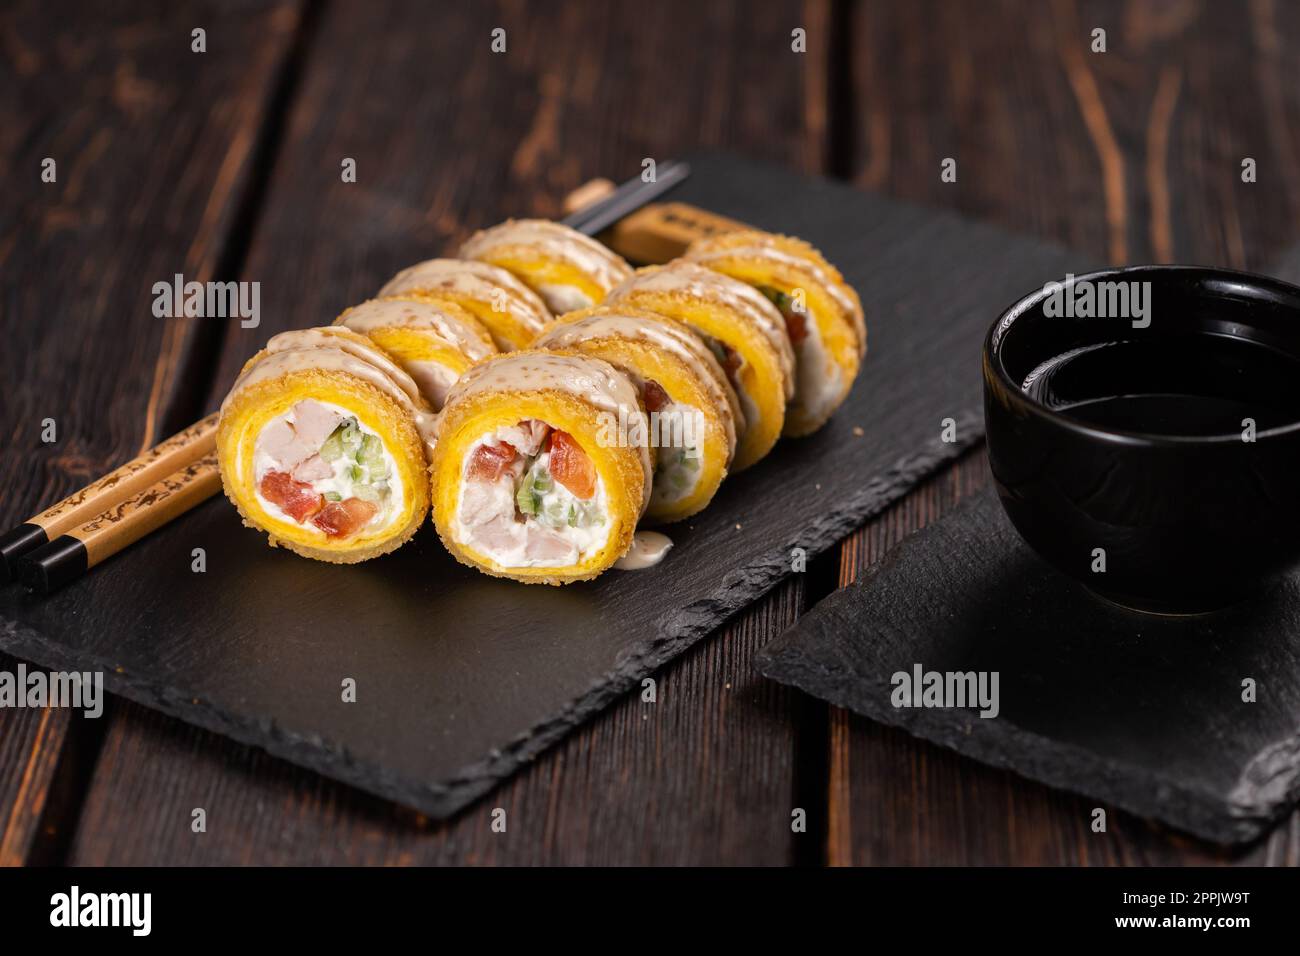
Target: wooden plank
<point>152,145</point>
<point>448,136</point>
<point>1129,155</point>
<point>1132,155</point>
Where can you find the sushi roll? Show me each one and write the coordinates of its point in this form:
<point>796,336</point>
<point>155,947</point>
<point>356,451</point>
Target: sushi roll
<point>822,312</point>
<point>568,270</point>
<point>742,328</point>
<point>541,468</point>
<point>510,311</point>
<point>323,443</point>
<point>693,411</point>
<point>433,342</point>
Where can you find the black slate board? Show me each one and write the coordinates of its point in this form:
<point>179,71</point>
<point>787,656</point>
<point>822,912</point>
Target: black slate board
<point>462,677</point>
<point>1137,711</point>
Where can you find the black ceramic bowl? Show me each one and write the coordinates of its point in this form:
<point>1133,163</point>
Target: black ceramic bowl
<point>1154,458</point>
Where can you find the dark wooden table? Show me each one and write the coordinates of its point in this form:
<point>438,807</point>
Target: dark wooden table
<point>226,164</point>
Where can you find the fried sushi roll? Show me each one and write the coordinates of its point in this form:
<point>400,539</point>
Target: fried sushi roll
<point>568,270</point>
<point>693,411</point>
<point>510,311</point>
<point>541,469</point>
<point>433,342</point>
<point>742,328</point>
<point>323,443</point>
<point>822,312</point>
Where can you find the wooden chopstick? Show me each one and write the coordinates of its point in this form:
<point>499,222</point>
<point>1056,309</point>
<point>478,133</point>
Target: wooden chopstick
<point>79,549</point>
<point>161,460</point>
<point>662,231</point>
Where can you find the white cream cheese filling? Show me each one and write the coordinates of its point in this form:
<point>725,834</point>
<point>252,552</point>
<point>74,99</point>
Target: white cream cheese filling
<point>564,530</point>
<point>679,432</point>
<point>377,482</point>
<point>820,380</point>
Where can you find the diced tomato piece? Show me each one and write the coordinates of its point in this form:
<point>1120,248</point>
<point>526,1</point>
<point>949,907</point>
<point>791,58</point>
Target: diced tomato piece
<point>338,519</point>
<point>796,323</point>
<point>731,361</point>
<point>490,461</point>
<point>295,498</point>
<point>570,465</point>
<point>654,395</point>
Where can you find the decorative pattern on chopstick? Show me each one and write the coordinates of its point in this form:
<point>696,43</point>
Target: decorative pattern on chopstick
<point>663,231</point>
<point>71,554</point>
<point>163,459</point>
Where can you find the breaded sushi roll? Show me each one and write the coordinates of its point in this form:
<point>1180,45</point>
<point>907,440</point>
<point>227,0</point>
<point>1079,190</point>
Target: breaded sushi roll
<point>433,342</point>
<point>693,411</point>
<point>541,469</point>
<point>510,311</point>
<point>742,328</point>
<point>568,270</point>
<point>823,314</point>
<point>323,443</point>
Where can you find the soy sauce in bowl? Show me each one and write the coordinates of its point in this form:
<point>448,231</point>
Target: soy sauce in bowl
<point>1157,461</point>
<point>1191,385</point>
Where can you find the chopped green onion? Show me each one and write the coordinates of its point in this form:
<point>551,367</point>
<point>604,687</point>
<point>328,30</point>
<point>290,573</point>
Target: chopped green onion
<point>350,436</point>
<point>333,496</point>
<point>333,447</point>
<point>524,497</point>
<point>371,452</point>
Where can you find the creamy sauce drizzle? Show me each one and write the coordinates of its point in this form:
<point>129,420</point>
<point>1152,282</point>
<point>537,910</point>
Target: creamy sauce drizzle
<point>376,314</point>
<point>480,281</point>
<point>648,549</point>
<point>761,250</point>
<point>680,277</point>
<point>668,335</point>
<point>556,241</point>
<point>336,350</point>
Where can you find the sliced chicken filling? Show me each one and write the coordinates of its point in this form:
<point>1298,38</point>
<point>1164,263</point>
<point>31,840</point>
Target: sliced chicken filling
<point>817,377</point>
<point>677,431</point>
<point>318,466</point>
<point>530,497</point>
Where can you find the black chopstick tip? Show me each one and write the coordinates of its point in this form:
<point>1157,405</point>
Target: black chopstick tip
<point>15,543</point>
<point>53,565</point>
<point>627,198</point>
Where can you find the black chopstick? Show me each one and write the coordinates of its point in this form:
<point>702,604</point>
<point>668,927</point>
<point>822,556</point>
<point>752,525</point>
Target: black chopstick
<point>627,198</point>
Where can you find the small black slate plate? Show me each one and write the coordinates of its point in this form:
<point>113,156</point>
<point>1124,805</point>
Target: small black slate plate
<point>1141,712</point>
<point>461,677</point>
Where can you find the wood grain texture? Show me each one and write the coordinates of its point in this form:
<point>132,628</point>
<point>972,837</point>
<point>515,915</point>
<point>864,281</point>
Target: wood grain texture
<point>1131,155</point>
<point>151,161</point>
<point>447,137</point>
